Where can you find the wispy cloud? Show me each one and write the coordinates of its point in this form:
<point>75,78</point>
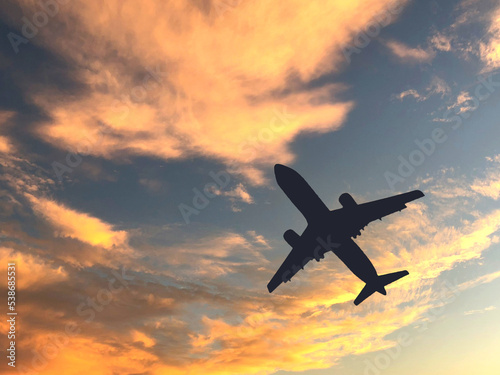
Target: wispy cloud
<point>40,272</point>
<point>235,195</point>
<point>411,93</point>
<point>490,51</point>
<point>463,103</point>
<point>489,185</point>
<point>410,54</point>
<point>441,42</point>
<point>482,311</point>
<point>437,86</point>
<point>81,226</point>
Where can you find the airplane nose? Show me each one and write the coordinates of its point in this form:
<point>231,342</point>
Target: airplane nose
<point>280,168</point>
<point>283,172</point>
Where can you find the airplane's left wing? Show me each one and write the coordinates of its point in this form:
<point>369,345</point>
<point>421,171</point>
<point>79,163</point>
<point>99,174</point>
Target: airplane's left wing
<point>368,212</point>
<point>294,262</point>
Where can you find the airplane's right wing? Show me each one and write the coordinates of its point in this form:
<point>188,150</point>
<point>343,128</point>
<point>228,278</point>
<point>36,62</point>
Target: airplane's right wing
<point>294,262</point>
<point>368,212</point>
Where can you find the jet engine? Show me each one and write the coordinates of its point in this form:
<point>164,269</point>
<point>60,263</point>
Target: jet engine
<point>347,201</point>
<point>291,237</point>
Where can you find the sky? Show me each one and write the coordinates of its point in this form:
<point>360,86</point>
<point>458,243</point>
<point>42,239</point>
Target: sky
<point>138,201</point>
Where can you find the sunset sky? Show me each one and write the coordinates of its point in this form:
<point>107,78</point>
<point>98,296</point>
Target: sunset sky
<point>137,195</point>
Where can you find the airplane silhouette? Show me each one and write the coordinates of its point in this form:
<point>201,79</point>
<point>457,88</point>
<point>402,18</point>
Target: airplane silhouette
<point>332,231</point>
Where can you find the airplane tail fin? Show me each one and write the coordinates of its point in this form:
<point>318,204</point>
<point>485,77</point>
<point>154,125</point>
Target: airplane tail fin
<point>382,281</point>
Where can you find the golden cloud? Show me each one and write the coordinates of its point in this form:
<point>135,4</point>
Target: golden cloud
<point>36,272</point>
<point>81,226</point>
<point>490,51</point>
<point>187,80</point>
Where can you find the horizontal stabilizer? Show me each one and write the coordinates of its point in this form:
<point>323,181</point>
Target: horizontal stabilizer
<point>391,277</point>
<point>379,285</point>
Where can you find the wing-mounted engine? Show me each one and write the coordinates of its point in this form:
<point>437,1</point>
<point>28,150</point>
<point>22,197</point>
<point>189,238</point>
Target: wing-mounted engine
<point>318,255</point>
<point>292,238</point>
<point>347,201</point>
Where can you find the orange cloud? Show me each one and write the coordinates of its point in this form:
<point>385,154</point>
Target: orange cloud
<point>5,144</point>
<point>77,225</point>
<point>490,51</point>
<point>187,81</point>
<point>36,272</point>
<point>138,336</point>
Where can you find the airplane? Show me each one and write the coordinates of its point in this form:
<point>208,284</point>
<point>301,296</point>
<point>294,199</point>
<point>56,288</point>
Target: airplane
<point>333,231</point>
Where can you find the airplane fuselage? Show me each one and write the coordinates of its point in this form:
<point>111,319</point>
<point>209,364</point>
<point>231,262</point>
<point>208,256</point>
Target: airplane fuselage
<point>330,234</point>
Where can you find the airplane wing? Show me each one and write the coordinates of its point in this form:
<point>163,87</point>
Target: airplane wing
<point>368,212</point>
<point>294,262</point>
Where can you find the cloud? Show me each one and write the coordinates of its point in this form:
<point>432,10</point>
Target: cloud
<point>489,186</point>
<point>159,100</point>
<point>471,18</point>
<point>238,194</point>
<point>409,54</point>
<point>22,176</point>
<point>464,102</point>
<point>490,51</point>
<point>488,278</point>
<point>5,144</point>
<point>147,341</point>
<point>441,42</point>
<point>437,86</point>
<point>212,256</point>
<point>473,312</point>
<point>258,238</point>
<point>81,226</point>
<point>37,273</point>
<point>411,92</point>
